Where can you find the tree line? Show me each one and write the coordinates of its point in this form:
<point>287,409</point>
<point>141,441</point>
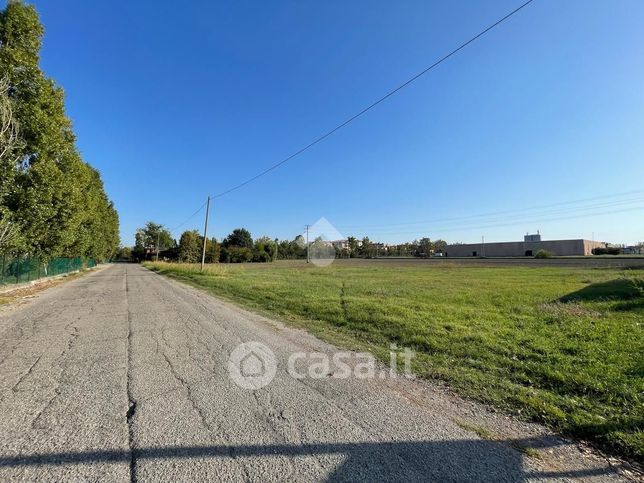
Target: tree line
<point>155,240</point>
<point>52,203</point>
<point>366,248</point>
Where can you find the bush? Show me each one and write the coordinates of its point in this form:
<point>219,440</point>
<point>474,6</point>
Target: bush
<point>265,250</point>
<point>262,257</point>
<point>543,254</point>
<point>607,251</point>
<point>236,255</point>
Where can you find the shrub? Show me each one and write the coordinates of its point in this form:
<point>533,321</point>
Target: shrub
<point>236,255</point>
<point>607,251</point>
<point>543,254</point>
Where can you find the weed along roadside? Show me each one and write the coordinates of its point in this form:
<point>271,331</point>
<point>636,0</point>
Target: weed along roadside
<point>561,346</point>
<point>11,293</point>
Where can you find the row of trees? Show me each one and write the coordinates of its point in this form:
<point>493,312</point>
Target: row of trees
<point>239,246</point>
<point>52,203</point>
<point>366,248</point>
<point>154,239</point>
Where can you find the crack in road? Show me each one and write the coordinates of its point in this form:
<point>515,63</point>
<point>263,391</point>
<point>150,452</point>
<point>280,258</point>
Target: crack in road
<point>202,416</point>
<point>131,410</point>
<point>61,375</point>
<point>26,374</point>
<point>36,419</point>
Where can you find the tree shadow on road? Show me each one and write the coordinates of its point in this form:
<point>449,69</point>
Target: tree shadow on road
<point>458,460</point>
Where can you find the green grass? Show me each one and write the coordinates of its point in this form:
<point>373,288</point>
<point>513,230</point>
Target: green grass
<point>563,346</point>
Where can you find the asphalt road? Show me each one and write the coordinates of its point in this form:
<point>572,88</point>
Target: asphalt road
<point>123,375</point>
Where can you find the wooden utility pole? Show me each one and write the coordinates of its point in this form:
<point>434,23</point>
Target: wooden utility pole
<point>158,237</point>
<point>308,258</point>
<point>205,235</point>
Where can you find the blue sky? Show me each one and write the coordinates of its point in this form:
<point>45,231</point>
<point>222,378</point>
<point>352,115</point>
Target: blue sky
<point>174,101</point>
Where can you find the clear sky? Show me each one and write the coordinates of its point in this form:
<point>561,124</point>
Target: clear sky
<point>173,101</point>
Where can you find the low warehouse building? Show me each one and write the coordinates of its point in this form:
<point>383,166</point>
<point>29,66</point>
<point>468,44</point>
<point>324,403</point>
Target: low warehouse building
<point>529,247</point>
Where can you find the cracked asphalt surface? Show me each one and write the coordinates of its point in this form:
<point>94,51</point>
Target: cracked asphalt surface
<point>122,375</point>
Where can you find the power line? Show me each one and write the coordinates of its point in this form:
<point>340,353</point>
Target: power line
<point>518,211</point>
<point>518,217</point>
<point>545,220</point>
<point>189,218</point>
<point>511,223</point>
<point>489,217</point>
<point>374,104</point>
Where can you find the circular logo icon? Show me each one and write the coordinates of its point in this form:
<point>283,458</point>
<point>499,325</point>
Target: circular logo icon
<point>252,365</point>
<point>322,254</point>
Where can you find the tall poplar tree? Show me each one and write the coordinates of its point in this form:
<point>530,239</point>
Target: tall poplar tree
<point>57,200</point>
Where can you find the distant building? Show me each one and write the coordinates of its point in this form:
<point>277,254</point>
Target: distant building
<point>529,247</point>
<point>340,244</point>
<point>532,238</point>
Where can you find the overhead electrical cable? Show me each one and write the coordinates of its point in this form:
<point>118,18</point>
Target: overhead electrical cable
<point>521,216</point>
<point>439,230</point>
<point>373,104</point>
<point>189,218</point>
<point>518,211</point>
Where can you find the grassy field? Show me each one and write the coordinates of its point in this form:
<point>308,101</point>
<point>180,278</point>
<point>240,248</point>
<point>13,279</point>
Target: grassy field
<point>563,346</point>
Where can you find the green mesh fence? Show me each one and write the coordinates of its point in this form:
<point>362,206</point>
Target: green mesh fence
<point>26,269</point>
